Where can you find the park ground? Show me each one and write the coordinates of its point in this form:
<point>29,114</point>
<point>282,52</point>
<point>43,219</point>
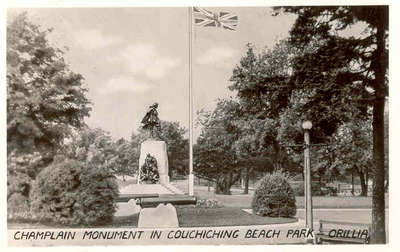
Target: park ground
<point>230,210</point>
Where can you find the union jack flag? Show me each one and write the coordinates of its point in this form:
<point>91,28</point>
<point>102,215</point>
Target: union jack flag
<point>205,18</point>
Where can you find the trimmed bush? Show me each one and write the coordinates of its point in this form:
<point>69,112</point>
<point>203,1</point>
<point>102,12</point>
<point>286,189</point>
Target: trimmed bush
<point>65,192</point>
<point>274,197</point>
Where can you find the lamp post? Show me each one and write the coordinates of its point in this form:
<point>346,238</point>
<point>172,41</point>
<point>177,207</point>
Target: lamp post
<point>307,125</point>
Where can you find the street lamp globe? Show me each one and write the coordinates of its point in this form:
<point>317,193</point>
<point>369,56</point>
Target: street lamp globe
<point>307,125</point>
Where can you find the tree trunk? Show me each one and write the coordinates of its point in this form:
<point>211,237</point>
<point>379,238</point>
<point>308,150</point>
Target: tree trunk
<point>378,234</point>
<point>216,189</point>
<point>225,182</point>
<point>246,181</point>
<point>378,195</point>
<point>221,185</point>
<point>352,183</point>
<point>224,187</point>
<point>362,183</point>
<point>170,172</point>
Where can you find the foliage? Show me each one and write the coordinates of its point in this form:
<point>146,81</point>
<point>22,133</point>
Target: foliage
<point>65,192</point>
<point>44,98</point>
<point>261,81</point>
<point>45,101</point>
<point>214,156</point>
<point>18,207</point>
<point>274,197</point>
<point>21,169</point>
<point>149,170</point>
<point>96,197</point>
<point>95,147</point>
<point>177,147</point>
<point>354,150</point>
<point>346,72</point>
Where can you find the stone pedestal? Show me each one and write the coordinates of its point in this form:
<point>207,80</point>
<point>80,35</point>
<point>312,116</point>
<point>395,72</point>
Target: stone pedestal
<point>157,149</point>
<point>162,216</point>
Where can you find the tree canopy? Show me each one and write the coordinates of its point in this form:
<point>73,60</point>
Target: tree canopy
<point>45,102</point>
<point>345,72</point>
<point>45,99</point>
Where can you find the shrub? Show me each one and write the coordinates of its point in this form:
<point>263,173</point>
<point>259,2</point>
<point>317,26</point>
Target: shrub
<point>96,198</point>
<point>274,197</point>
<point>18,207</point>
<point>67,193</point>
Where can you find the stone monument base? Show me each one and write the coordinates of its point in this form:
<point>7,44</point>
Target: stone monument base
<point>158,150</point>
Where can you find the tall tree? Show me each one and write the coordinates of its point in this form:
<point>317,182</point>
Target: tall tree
<point>354,150</point>
<point>45,100</point>
<point>253,149</point>
<point>214,155</point>
<point>262,84</point>
<point>177,147</point>
<point>349,71</point>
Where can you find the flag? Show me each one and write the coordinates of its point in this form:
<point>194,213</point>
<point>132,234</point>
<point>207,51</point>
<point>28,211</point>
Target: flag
<point>205,18</point>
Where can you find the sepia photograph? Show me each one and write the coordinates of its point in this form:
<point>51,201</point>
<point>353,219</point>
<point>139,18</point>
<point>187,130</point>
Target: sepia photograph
<point>197,125</point>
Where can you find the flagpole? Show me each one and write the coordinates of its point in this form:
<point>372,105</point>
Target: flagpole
<point>191,176</point>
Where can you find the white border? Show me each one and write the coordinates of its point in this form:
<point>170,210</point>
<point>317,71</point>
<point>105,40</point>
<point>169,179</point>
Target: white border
<point>393,129</point>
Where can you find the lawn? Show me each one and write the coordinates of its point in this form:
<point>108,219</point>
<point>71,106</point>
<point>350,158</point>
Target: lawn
<point>239,200</point>
<point>208,217</point>
<point>226,216</point>
<point>187,217</point>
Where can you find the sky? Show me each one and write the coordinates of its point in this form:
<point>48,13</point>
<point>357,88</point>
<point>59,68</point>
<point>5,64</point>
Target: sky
<point>133,57</point>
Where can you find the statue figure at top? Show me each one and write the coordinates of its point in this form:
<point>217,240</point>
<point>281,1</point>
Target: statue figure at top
<point>151,123</point>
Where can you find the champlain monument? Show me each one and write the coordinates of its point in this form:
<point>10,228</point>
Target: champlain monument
<point>154,146</point>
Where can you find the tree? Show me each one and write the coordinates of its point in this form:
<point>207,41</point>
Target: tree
<point>95,147</point>
<point>126,158</point>
<point>214,156</point>
<point>257,148</point>
<point>349,70</point>
<point>261,82</point>
<point>45,101</point>
<point>249,147</point>
<point>177,147</point>
<point>354,150</point>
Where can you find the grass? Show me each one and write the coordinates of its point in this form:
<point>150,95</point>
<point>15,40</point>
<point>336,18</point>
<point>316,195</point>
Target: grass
<point>239,200</point>
<point>208,217</point>
<point>230,214</point>
<point>226,216</point>
<point>204,217</point>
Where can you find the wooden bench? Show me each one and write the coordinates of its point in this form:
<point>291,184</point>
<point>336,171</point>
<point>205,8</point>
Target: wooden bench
<point>153,200</point>
<point>343,232</point>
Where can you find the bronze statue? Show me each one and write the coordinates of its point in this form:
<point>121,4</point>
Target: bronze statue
<point>151,123</point>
